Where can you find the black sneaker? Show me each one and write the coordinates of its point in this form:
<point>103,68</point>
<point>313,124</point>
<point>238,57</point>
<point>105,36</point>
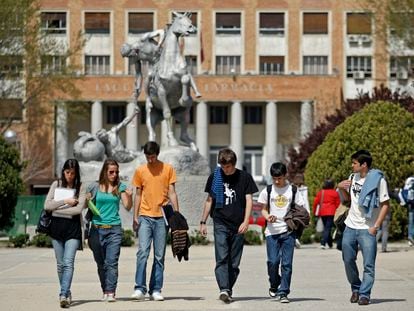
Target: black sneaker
<point>272,292</point>
<point>284,299</point>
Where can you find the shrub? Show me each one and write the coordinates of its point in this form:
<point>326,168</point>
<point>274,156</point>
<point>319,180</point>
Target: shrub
<point>252,237</point>
<point>41,240</point>
<point>127,237</point>
<point>196,238</point>
<point>385,129</point>
<point>19,240</point>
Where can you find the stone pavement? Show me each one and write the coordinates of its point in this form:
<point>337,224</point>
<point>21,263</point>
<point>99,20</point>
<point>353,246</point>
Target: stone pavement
<point>28,281</point>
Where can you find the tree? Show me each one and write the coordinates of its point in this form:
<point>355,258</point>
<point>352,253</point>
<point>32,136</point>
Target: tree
<point>298,158</point>
<point>10,182</point>
<point>37,67</point>
<point>383,128</point>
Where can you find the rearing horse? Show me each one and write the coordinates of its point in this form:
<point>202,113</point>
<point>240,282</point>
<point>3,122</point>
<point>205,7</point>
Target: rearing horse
<point>169,89</point>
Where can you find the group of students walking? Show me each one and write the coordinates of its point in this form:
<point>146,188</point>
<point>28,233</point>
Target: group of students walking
<point>229,203</point>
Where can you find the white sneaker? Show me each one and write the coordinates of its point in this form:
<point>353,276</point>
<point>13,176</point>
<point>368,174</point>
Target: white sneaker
<point>156,296</point>
<point>323,247</point>
<point>104,297</point>
<point>297,243</point>
<point>225,297</point>
<point>138,295</point>
<point>111,297</point>
<point>410,243</point>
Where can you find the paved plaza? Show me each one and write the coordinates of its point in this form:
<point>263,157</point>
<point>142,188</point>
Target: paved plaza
<point>28,281</point>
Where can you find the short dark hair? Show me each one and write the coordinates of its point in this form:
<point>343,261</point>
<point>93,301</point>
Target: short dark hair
<point>278,169</point>
<point>227,156</point>
<point>328,184</point>
<point>362,156</point>
<point>151,147</point>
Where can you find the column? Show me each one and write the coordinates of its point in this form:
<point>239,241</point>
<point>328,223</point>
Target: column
<point>96,116</point>
<point>306,120</point>
<point>164,131</point>
<point>236,134</point>
<point>132,128</point>
<point>271,136</point>
<point>61,138</point>
<point>202,129</point>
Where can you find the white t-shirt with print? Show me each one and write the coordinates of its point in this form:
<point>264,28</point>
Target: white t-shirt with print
<point>356,216</point>
<point>280,200</point>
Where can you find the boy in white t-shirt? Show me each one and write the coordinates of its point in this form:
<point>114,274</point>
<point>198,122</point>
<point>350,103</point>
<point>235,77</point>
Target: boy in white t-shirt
<point>369,206</point>
<point>280,242</point>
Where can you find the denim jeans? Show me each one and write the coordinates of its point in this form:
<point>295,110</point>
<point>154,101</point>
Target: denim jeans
<point>105,244</point>
<point>383,232</point>
<point>228,245</point>
<point>280,248</point>
<point>153,230</point>
<point>411,223</point>
<point>367,242</point>
<point>327,228</point>
<point>65,252</point>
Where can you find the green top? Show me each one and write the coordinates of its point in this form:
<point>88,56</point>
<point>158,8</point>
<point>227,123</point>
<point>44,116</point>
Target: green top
<point>108,206</point>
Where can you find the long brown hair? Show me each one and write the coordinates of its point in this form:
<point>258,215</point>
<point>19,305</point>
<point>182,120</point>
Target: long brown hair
<point>103,176</point>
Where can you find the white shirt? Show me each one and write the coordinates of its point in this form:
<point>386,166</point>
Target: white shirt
<point>356,216</point>
<point>280,200</point>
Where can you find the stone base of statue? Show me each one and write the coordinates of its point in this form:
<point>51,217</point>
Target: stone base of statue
<point>192,173</point>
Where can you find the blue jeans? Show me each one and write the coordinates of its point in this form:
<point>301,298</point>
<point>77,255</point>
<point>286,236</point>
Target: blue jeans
<point>280,248</point>
<point>65,252</point>
<point>410,222</point>
<point>327,228</point>
<point>228,245</point>
<point>153,230</point>
<point>367,242</point>
<point>106,247</point>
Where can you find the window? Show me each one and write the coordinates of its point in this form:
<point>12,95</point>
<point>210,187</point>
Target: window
<point>193,20</point>
<point>228,23</point>
<point>401,67</point>
<point>253,162</point>
<point>97,23</point>
<point>253,115</point>
<point>53,22</point>
<point>11,109</point>
<point>358,24</point>
<point>140,22</point>
<point>358,64</point>
<point>191,61</point>
<point>226,65</point>
<point>218,114</point>
<point>272,65</point>
<point>315,23</point>
<point>11,66</point>
<point>272,24</point>
<point>53,64</point>
<point>315,65</point>
<point>115,114</point>
<point>97,65</point>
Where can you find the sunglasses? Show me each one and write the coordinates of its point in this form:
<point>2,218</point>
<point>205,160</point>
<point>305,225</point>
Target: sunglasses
<point>113,172</point>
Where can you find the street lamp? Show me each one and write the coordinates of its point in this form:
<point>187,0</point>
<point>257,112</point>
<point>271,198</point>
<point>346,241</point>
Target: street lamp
<point>26,220</point>
<point>10,136</point>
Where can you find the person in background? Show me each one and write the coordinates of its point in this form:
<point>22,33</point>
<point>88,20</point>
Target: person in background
<point>299,182</point>
<point>406,196</point>
<point>328,201</point>
<point>66,226</point>
<point>229,202</point>
<point>105,234</point>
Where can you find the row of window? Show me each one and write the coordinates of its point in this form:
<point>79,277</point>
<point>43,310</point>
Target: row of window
<point>226,23</point>
<point>359,67</point>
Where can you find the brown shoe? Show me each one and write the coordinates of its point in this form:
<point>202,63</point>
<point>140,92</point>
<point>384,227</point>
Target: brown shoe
<point>354,297</point>
<point>363,301</point>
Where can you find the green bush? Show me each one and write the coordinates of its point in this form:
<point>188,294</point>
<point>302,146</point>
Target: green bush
<point>252,237</point>
<point>196,238</point>
<point>41,240</point>
<point>19,240</point>
<point>386,130</point>
<point>127,237</point>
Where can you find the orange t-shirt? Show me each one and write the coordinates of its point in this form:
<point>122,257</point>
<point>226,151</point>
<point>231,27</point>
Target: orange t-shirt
<point>154,181</point>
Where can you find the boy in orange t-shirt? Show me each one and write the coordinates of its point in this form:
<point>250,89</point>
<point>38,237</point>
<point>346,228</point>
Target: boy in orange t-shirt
<point>155,187</point>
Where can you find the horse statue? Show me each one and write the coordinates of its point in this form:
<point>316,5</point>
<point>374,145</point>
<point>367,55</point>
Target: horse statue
<point>169,89</point>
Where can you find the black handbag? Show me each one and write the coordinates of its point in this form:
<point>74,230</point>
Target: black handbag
<point>43,225</point>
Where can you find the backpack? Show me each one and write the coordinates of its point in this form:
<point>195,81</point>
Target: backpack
<point>269,190</point>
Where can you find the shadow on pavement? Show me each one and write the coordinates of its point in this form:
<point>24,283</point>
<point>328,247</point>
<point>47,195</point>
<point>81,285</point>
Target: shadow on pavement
<point>377,301</point>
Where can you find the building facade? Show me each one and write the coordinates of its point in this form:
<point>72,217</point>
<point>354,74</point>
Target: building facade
<point>268,71</point>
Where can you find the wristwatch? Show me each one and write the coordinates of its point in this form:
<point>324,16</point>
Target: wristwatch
<point>202,222</point>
